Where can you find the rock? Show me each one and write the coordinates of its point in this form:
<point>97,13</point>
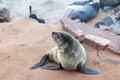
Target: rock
<point>114,28</point>
<point>4,13</point>
<point>82,34</point>
<point>113,61</point>
<point>94,37</point>
<point>76,32</point>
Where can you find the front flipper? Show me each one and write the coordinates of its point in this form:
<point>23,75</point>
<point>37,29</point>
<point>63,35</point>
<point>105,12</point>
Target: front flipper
<point>86,70</point>
<point>41,63</point>
<point>54,67</point>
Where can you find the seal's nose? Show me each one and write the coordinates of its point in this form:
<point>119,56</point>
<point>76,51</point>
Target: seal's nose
<point>53,33</point>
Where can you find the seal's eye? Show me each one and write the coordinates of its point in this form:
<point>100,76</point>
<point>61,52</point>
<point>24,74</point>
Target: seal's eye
<point>66,39</point>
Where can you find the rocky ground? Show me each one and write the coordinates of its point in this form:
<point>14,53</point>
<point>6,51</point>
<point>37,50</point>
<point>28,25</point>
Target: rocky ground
<point>24,42</point>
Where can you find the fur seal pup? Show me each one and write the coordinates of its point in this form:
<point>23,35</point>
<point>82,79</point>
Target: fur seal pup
<point>112,3</point>
<point>87,12</point>
<point>105,21</point>
<point>34,16</point>
<point>69,54</point>
<point>82,2</point>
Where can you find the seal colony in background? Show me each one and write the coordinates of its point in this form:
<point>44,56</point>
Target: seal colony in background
<point>69,54</point>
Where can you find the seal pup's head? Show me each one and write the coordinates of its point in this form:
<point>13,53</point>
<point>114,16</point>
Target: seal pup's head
<point>64,40</point>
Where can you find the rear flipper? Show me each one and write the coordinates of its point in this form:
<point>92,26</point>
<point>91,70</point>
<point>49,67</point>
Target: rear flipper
<point>86,70</point>
<point>54,67</point>
<point>41,63</point>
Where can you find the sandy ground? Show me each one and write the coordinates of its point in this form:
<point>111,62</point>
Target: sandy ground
<point>24,42</point>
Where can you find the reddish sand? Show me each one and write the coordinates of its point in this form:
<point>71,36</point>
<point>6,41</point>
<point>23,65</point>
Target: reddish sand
<point>24,42</point>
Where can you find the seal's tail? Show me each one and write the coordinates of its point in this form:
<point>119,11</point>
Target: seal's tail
<point>86,70</point>
<point>39,64</point>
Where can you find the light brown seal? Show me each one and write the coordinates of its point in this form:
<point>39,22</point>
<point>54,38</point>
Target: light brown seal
<point>69,54</point>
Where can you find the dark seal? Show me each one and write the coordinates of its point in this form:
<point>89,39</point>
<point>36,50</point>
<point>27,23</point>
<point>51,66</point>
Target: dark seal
<point>112,3</point>
<point>87,12</point>
<point>34,16</point>
<point>82,2</point>
<point>105,21</point>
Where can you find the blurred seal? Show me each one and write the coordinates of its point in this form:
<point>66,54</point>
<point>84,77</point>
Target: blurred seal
<point>87,12</point>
